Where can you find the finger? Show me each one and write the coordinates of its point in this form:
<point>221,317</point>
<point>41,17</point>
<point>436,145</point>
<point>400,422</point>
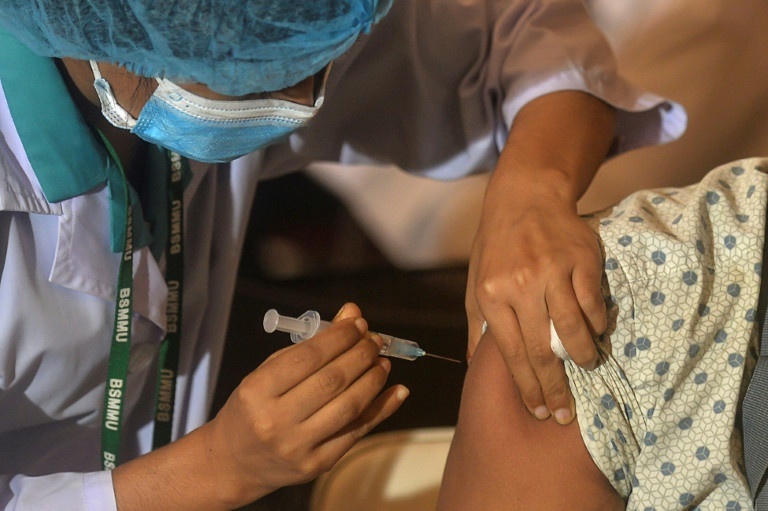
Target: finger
<point>277,353</point>
<point>332,449</point>
<point>547,367</point>
<point>332,379</point>
<point>513,350</point>
<point>296,363</point>
<point>475,318</point>
<point>348,310</point>
<point>586,284</point>
<point>350,404</point>
<point>475,322</point>
<point>566,314</point>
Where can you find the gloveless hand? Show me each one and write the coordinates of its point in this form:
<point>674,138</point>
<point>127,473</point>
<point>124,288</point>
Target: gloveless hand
<point>534,259</point>
<point>302,409</point>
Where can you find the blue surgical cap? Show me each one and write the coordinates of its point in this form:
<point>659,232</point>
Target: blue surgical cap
<point>235,47</point>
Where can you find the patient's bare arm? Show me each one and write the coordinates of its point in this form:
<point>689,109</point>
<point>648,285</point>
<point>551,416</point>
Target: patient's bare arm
<point>502,458</point>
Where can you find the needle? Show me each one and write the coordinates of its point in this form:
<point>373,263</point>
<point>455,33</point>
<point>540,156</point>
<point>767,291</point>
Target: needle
<point>442,358</point>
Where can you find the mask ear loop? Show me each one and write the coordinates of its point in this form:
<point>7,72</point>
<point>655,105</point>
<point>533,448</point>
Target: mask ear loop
<point>116,115</point>
<point>320,90</point>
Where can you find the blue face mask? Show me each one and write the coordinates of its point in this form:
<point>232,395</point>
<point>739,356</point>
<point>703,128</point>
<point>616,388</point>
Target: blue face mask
<point>204,129</point>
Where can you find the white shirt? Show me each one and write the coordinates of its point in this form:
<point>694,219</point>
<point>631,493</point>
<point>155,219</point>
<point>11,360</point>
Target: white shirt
<point>433,89</point>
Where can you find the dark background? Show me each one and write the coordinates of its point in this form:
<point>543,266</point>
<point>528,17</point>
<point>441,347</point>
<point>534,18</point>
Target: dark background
<point>304,251</point>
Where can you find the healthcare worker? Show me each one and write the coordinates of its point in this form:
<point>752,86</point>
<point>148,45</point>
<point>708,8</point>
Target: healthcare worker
<point>123,221</point>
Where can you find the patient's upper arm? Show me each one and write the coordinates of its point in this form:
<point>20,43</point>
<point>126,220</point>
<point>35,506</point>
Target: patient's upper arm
<point>502,458</point>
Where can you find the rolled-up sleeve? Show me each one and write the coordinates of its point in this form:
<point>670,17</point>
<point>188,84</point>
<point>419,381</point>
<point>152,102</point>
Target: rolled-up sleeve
<point>544,46</point>
<point>435,88</point>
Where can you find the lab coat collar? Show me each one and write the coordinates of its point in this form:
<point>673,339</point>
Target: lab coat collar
<point>61,150</point>
<point>43,172</point>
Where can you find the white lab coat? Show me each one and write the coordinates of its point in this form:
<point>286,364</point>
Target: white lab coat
<point>432,89</point>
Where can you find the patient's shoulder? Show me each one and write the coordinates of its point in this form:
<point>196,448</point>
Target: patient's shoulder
<point>504,458</point>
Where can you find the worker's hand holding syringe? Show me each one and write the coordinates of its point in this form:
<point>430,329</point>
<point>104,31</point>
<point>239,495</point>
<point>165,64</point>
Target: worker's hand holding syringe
<point>302,409</point>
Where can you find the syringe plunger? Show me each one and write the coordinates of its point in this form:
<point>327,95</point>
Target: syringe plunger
<point>301,328</point>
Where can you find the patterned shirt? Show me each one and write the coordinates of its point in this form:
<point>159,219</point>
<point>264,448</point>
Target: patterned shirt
<point>681,281</point>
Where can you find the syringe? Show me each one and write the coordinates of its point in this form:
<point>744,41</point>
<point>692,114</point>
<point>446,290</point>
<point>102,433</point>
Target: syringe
<point>309,323</point>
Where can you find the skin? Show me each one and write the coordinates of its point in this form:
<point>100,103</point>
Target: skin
<point>533,258</point>
<point>504,459</point>
<point>291,418</point>
<point>133,91</point>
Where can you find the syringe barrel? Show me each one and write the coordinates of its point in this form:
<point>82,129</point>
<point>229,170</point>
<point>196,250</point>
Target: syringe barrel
<point>400,348</point>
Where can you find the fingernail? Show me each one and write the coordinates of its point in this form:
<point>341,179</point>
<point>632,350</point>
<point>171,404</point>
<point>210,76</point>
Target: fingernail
<point>402,393</point>
<point>541,412</point>
<point>563,416</point>
<point>385,364</point>
<point>361,325</point>
<point>338,314</point>
<point>377,339</point>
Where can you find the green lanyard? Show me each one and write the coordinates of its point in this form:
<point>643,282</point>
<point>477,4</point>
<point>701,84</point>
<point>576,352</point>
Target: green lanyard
<point>174,280</point>
<point>120,350</point>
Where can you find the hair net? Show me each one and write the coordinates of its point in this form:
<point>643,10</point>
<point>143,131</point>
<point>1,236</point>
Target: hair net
<point>235,47</point>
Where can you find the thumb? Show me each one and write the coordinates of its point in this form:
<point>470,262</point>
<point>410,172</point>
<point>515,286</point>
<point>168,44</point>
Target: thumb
<point>348,310</point>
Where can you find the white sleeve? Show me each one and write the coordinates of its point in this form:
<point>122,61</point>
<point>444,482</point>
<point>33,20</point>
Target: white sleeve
<point>436,86</point>
<point>69,491</point>
<point>545,46</point>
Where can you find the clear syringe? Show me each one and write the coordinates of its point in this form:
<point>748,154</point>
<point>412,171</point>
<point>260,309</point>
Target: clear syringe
<point>309,323</point>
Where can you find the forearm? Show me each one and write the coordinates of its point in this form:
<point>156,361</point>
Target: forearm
<point>183,475</point>
<point>556,143</point>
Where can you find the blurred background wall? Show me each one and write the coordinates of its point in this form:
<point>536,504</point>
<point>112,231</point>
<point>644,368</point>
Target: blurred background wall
<point>711,56</point>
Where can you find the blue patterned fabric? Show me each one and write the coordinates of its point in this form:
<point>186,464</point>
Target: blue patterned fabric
<point>682,278</point>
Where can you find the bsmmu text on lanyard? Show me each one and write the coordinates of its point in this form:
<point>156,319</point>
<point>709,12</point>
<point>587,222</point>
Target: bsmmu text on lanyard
<point>120,349</point>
